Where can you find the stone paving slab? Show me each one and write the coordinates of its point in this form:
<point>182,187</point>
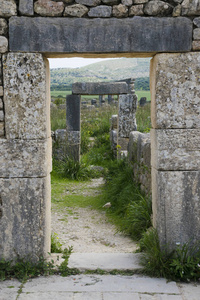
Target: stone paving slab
<point>9,289</point>
<point>104,283</point>
<point>105,261</point>
<point>106,287</point>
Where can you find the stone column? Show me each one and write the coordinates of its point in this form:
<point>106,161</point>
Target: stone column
<point>175,140</point>
<point>110,99</point>
<point>73,120</point>
<point>126,119</point>
<point>25,158</point>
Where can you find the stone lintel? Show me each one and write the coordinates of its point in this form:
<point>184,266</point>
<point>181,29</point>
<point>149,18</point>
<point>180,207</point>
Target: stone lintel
<point>26,218</point>
<point>175,90</point>
<point>175,149</point>
<point>25,158</point>
<point>113,35</point>
<point>176,207</point>
<point>73,112</point>
<point>100,88</point>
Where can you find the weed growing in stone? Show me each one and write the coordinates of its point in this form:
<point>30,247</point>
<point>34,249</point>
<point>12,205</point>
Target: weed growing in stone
<point>182,264</point>
<point>56,246</point>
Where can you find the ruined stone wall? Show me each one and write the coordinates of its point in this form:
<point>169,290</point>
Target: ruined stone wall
<point>139,155</point>
<point>32,30</point>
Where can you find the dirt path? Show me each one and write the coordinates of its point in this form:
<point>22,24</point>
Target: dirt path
<point>88,230</point>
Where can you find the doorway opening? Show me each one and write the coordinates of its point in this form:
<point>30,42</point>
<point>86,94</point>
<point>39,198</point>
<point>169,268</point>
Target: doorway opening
<point>80,213</point>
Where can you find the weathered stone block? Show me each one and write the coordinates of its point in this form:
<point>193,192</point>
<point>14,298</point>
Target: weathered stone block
<point>158,8</point>
<point>89,2</point>
<point>100,88</point>
<point>196,45</point>
<point>120,11</point>
<point>25,158</point>
<point>140,1</point>
<point>73,112</point>
<point>1,91</point>
<point>3,27</point>
<point>25,220</point>
<point>127,2</point>
<point>76,10</point>
<point>139,148</point>
<point>1,116</point>
<point>3,44</point>
<point>175,149</point>
<point>102,11</point>
<point>26,7</point>
<point>47,8</point>
<point>176,11</point>
<point>196,21</point>
<point>122,144</point>
<point>1,104</point>
<point>113,121</point>
<point>26,96</point>
<point>2,129</point>
<point>136,10</point>
<point>8,8</point>
<point>126,114</point>
<point>190,8</point>
<point>175,90</point>
<point>74,139</point>
<point>196,34</point>
<point>114,35</point>
<point>111,2</point>
<point>176,206</point>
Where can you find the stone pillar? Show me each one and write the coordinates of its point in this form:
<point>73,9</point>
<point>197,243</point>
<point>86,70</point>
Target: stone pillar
<point>175,149</point>
<point>73,119</point>
<point>126,119</point>
<point>110,99</point>
<point>101,100</point>
<point>25,158</point>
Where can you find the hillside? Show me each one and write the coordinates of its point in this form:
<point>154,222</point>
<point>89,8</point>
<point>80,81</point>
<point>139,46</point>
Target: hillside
<point>109,70</point>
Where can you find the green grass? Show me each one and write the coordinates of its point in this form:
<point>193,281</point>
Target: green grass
<point>146,94</point>
<point>62,199</point>
<point>143,118</point>
<point>60,93</point>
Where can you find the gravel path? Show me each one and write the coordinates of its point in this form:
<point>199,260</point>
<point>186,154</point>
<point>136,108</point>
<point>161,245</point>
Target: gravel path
<point>88,230</point>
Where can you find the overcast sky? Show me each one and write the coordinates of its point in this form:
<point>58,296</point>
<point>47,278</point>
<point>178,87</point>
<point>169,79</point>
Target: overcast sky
<point>73,62</point>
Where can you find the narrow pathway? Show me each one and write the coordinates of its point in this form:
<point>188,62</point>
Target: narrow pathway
<point>88,230</point>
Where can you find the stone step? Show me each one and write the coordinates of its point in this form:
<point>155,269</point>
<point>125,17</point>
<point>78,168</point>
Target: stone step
<point>104,261</point>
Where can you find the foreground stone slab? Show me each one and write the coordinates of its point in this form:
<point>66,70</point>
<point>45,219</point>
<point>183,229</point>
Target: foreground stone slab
<point>176,206</point>
<point>9,289</point>
<point>175,90</point>
<point>26,96</point>
<point>25,158</point>
<point>25,219</point>
<point>98,283</point>
<point>100,88</point>
<point>175,149</point>
<point>104,261</point>
<point>100,35</point>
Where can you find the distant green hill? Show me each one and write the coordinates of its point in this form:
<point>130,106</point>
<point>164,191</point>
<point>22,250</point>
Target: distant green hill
<point>109,70</point>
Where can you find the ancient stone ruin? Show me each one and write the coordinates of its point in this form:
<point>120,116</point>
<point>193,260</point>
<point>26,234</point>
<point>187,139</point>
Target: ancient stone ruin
<point>30,32</point>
